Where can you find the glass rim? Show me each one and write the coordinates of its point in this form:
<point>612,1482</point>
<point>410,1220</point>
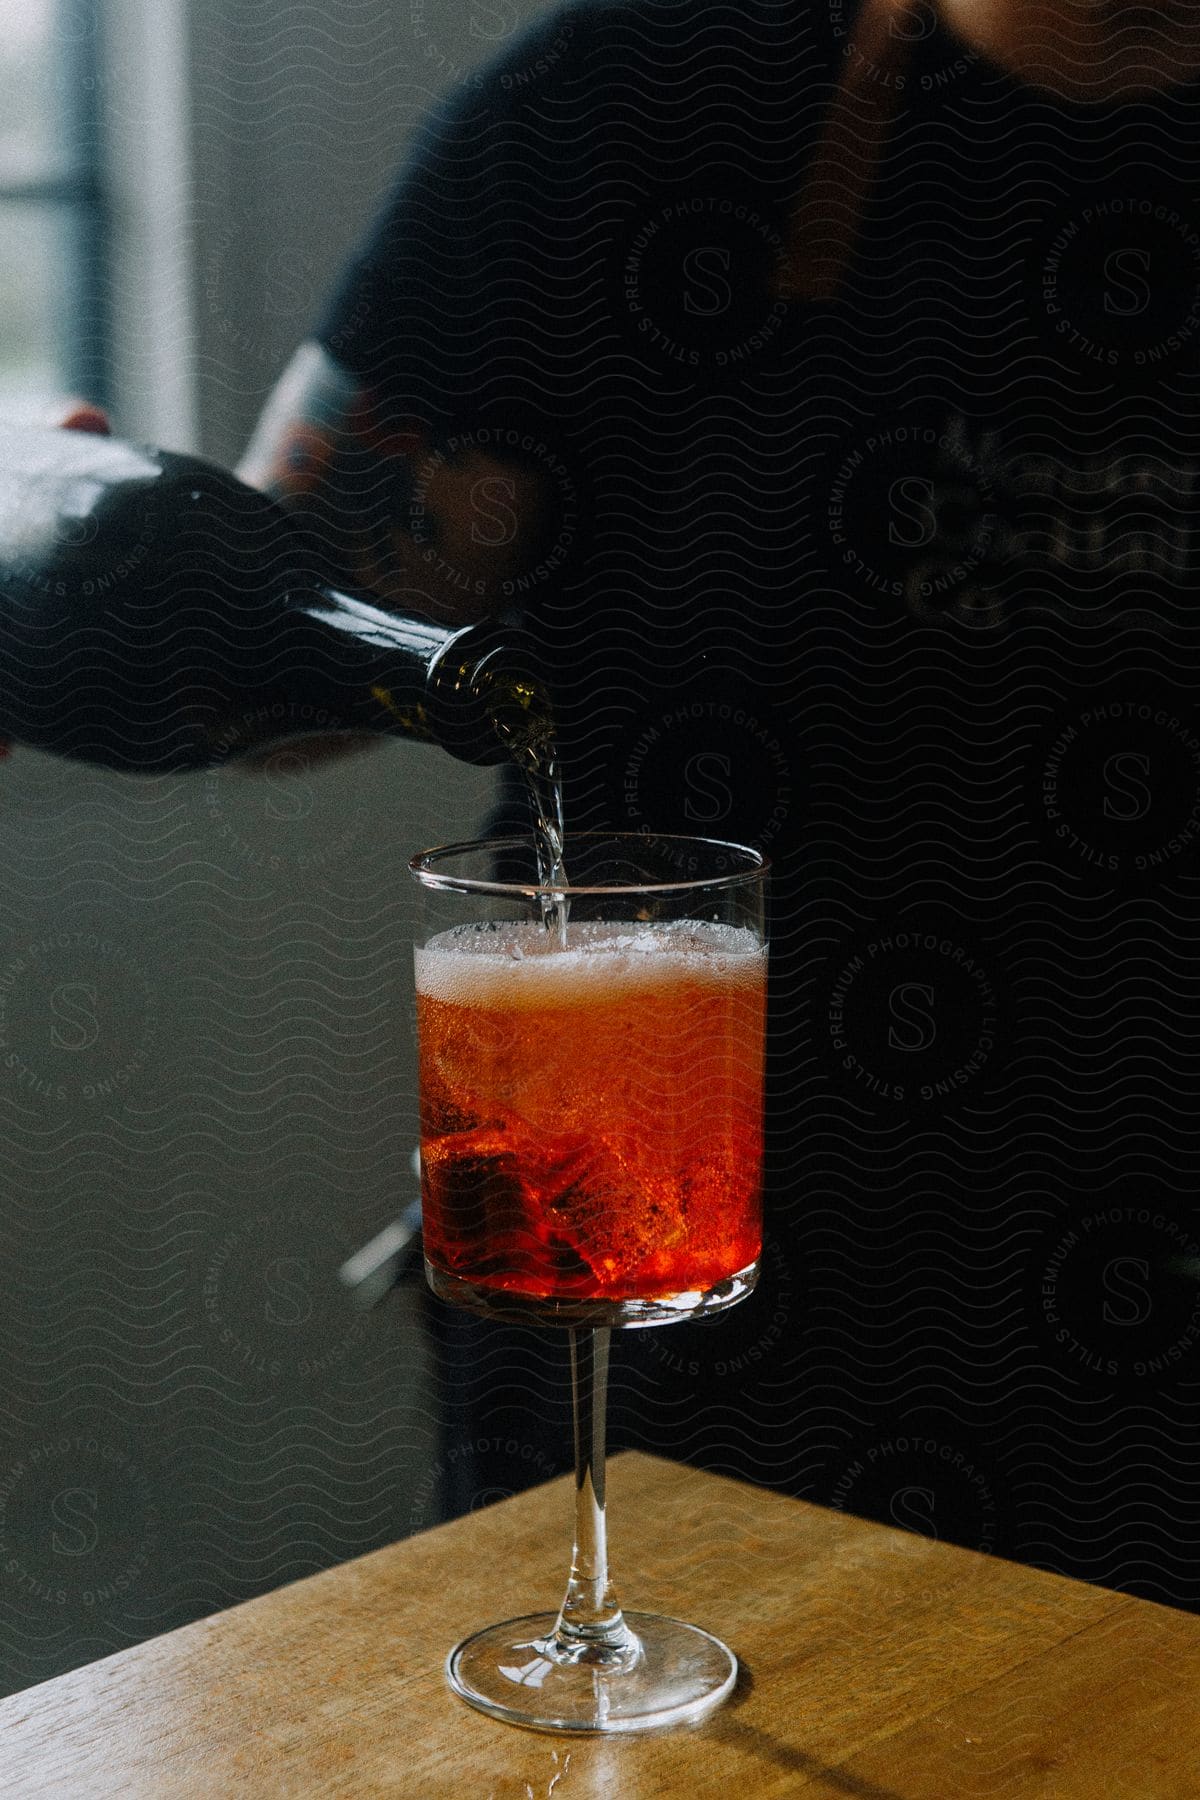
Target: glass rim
<point>423,870</point>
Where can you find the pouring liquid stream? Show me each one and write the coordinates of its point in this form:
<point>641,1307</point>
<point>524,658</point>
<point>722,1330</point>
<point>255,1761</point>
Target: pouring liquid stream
<point>543,784</point>
<point>522,721</point>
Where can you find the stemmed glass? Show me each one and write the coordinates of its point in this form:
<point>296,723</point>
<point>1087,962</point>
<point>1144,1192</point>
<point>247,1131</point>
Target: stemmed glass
<point>591,1142</point>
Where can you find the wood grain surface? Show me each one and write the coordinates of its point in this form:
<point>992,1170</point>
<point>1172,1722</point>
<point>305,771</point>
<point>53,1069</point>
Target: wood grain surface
<point>877,1665</point>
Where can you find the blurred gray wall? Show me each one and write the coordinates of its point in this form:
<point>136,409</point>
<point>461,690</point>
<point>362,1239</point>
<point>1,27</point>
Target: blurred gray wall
<point>207,1087</point>
<point>299,116</point>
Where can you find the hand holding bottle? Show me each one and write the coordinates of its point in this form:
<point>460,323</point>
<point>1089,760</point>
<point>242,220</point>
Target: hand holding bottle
<point>157,615</point>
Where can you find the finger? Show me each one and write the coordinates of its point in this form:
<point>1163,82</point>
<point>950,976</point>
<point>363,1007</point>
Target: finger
<point>81,415</point>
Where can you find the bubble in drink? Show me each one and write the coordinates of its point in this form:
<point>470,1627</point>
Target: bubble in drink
<point>591,1118</point>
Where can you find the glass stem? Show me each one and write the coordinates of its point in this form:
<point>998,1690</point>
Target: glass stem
<point>590,1627</point>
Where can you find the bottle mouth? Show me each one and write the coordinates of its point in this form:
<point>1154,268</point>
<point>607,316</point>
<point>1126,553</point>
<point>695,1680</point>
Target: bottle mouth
<point>518,707</point>
<point>488,702</point>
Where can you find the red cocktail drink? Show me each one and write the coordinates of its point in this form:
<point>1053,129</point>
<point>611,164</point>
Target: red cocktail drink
<point>591,1117</point>
<point>591,1140</point>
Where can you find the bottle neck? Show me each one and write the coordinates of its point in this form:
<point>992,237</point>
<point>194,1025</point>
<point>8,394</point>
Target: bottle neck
<point>462,687</point>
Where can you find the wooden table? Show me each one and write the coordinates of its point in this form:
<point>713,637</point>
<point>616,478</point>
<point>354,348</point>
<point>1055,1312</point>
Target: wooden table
<point>877,1666</point>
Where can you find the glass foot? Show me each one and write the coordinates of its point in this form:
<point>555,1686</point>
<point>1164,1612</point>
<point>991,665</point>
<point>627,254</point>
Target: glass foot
<point>512,1672</point>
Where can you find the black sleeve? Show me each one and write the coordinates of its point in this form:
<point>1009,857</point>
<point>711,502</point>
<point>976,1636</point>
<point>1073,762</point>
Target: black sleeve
<point>492,273</point>
<point>446,294</point>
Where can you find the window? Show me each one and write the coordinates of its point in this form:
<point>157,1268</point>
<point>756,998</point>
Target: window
<point>53,336</point>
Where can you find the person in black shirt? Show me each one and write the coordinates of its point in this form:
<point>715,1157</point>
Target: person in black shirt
<point>819,380</point>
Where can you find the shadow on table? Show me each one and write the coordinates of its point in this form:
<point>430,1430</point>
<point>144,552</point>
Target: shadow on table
<point>726,1727</point>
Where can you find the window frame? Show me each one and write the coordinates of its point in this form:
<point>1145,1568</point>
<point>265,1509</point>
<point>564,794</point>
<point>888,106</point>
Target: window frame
<point>78,198</point>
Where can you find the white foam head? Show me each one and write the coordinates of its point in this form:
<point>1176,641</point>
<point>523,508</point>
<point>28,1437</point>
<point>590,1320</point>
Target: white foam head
<point>521,964</point>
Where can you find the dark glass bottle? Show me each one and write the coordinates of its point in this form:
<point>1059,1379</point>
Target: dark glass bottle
<point>156,614</point>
